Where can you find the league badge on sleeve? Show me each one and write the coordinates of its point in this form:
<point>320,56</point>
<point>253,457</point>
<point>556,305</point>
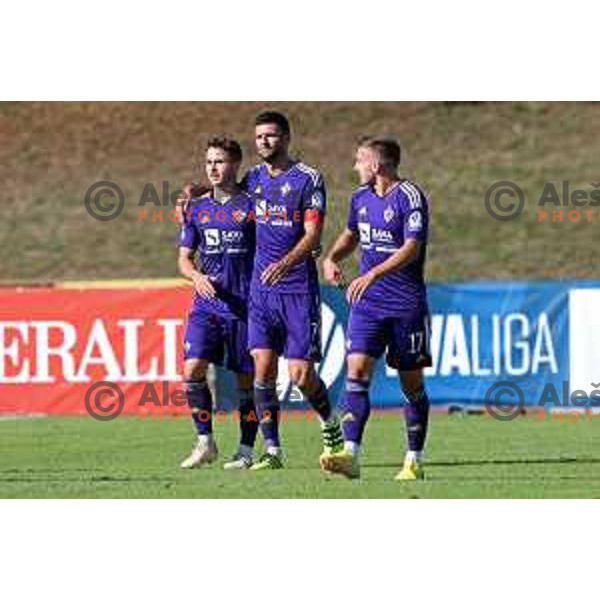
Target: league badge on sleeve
<point>317,201</point>
<point>415,221</point>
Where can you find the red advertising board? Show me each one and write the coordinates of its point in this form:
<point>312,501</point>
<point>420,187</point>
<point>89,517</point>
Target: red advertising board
<point>57,342</point>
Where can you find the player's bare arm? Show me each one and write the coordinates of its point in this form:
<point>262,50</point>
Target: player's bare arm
<point>399,259</point>
<point>202,283</point>
<point>308,243</point>
<point>343,247</point>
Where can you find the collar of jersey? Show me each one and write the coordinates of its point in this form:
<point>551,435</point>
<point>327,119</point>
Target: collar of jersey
<point>396,185</point>
<point>210,196</point>
<point>273,177</point>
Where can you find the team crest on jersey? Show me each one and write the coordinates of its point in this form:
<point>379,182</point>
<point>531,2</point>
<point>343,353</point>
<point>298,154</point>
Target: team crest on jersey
<point>258,189</point>
<point>285,189</point>
<point>388,214</point>
<point>362,212</point>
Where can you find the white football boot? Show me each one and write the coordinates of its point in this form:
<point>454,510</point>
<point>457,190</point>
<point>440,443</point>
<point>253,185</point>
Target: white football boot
<point>204,452</point>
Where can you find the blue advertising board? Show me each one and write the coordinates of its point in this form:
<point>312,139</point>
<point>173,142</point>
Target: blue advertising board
<point>481,333</point>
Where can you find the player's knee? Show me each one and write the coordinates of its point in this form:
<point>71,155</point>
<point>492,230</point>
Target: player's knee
<point>300,376</point>
<point>194,370</point>
<point>411,382</point>
<point>300,380</point>
<point>359,367</point>
<point>264,366</point>
<point>359,372</point>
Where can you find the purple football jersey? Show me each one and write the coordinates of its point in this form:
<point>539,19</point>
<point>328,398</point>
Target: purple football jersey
<point>382,225</point>
<point>281,205</point>
<point>224,237</point>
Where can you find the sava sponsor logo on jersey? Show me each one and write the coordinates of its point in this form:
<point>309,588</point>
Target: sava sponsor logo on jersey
<point>215,237</point>
<point>266,210</point>
<point>212,238</point>
<point>373,235</point>
<point>364,230</point>
<point>232,236</point>
<point>382,235</point>
<point>274,214</point>
<point>261,207</point>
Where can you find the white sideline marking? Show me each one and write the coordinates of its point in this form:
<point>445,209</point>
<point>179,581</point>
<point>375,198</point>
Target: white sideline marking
<point>18,417</point>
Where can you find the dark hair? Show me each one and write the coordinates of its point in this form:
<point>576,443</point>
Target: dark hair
<point>269,117</point>
<point>228,145</point>
<point>388,150</point>
<point>197,189</point>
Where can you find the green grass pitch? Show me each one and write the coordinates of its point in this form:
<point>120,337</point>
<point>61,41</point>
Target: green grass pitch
<point>468,457</point>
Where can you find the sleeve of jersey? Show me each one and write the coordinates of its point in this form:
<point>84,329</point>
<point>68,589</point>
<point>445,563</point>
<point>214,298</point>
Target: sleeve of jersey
<point>188,234</point>
<point>315,197</point>
<point>352,222</point>
<point>415,215</point>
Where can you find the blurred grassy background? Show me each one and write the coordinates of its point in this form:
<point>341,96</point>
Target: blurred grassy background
<point>50,154</point>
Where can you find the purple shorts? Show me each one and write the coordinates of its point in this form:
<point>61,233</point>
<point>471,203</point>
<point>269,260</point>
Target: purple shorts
<point>210,336</point>
<point>290,324</point>
<point>405,337</point>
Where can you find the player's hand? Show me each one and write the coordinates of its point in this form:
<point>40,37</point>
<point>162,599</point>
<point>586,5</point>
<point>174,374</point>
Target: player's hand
<point>333,274</point>
<point>183,204</point>
<point>204,286</point>
<point>275,272</point>
<point>359,286</point>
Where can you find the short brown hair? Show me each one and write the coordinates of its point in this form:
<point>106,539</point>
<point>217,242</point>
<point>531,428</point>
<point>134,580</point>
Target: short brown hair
<point>388,150</point>
<point>272,117</point>
<point>196,189</point>
<point>228,145</point>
